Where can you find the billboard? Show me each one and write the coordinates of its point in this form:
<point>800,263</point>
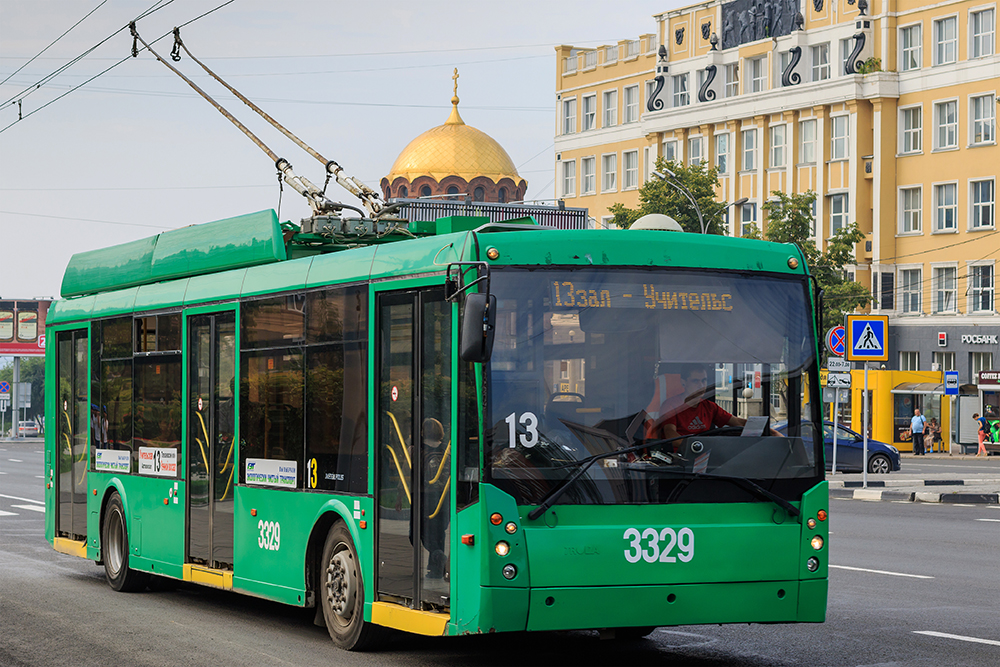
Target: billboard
<point>22,328</point>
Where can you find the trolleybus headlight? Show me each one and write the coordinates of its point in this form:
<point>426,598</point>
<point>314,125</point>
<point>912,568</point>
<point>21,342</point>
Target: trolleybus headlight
<point>509,571</point>
<point>492,253</point>
<point>511,527</point>
<point>793,263</point>
<point>812,564</point>
<point>811,523</point>
<point>821,515</point>
<point>496,519</point>
<point>816,542</point>
<point>502,548</point>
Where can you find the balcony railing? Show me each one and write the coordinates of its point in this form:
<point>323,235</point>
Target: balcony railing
<point>569,64</point>
<point>611,54</point>
<point>589,59</point>
<point>632,48</point>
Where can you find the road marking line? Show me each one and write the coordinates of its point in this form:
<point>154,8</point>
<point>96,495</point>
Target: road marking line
<point>895,574</point>
<point>39,476</point>
<point>27,500</point>
<point>15,460</point>
<point>962,505</point>
<point>945,635</point>
<point>2,513</point>
<point>993,520</point>
<point>33,508</point>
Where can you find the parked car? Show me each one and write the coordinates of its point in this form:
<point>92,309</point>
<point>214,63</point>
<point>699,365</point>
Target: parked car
<point>28,428</point>
<point>882,458</point>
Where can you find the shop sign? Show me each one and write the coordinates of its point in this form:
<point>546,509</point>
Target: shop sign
<point>989,377</point>
<point>979,339</point>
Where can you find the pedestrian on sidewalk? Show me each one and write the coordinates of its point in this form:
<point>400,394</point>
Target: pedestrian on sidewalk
<point>917,425</point>
<point>934,431</point>
<point>984,429</point>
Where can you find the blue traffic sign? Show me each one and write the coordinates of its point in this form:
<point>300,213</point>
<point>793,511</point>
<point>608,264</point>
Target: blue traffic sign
<point>836,340</point>
<point>951,383</point>
<point>4,387</point>
<point>867,337</point>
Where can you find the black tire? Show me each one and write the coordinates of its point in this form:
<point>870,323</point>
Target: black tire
<point>341,593</point>
<point>879,464</point>
<point>115,550</point>
<point>633,634</point>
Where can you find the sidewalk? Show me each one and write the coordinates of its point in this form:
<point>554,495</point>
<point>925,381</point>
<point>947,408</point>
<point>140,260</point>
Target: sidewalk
<point>944,487</point>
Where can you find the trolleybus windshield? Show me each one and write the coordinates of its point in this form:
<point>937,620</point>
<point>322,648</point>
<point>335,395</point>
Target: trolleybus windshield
<point>651,367</point>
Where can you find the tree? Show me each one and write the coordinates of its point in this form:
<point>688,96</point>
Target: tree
<point>657,196</point>
<point>33,371</point>
<point>790,220</point>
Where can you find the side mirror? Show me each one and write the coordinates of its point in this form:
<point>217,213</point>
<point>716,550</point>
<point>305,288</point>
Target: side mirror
<point>478,325</point>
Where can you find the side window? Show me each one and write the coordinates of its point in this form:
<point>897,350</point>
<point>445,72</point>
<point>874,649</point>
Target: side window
<point>112,413</point>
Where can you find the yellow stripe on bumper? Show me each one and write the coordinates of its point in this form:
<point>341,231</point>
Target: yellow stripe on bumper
<point>207,576</point>
<point>71,547</point>
<point>409,620</point>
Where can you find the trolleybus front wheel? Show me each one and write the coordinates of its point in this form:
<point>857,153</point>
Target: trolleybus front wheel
<point>342,593</point>
<point>114,550</point>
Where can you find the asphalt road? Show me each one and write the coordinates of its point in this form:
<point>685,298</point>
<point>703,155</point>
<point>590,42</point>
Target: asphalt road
<point>935,572</point>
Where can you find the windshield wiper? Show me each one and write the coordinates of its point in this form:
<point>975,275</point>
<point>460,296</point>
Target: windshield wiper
<point>553,495</point>
<point>742,482</point>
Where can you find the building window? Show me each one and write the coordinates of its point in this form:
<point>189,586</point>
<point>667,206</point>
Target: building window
<point>821,62</point>
<point>749,150</point>
<point>569,178</point>
<point>983,200</point>
<point>722,152</point>
<point>945,207</point>
<point>909,38</point>
<point>631,160</point>
<point>425,191</point>
<point>694,151</point>
<point>609,171</point>
<point>946,40</point>
<point>946,119</point>
<point>838,213</point>
<point>838,137</point>
<point>912,124</point>
<point>945,361</point>
<point>402,192</point>
<point>587,176</point>
<point>757,74</point>
<point>910,208</point>
<point>478,194</point>
<point>807,147</point>
<point>884,284</point>
<point>983,43</point>
<point>909,290</point>
<point>632,104</point>
<point>681,98</point>
<point>611,108</point>
<point>979,361</point>
<point>909,361</point>
<point>945,289</point>
<point>670,151</point>
<point>502,195</point>
<point>983,119</point>
<point>732,80</point>
<point>589,112</point>
<point>981,288</point>
<point>778,146</point>
<point>748,217</point>
<point>569,116</point>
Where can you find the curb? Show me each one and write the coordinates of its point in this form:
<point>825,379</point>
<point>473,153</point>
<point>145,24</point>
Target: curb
<point>887,483</point>
<point>916,496</point>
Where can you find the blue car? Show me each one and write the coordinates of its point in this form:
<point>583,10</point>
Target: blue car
<point>882,458</point>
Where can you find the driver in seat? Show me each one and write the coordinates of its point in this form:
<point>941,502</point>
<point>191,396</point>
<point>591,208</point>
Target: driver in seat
<point>689,412</point>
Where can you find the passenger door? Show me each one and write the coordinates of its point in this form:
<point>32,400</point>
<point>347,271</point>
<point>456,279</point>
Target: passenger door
<point>413,437</point>
<point>72,353</point>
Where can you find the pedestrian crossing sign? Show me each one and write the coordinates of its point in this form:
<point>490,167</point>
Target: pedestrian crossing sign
<point>867,337</point>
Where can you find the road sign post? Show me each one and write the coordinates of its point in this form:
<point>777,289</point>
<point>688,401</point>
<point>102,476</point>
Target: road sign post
<point>836,410</point>
<point>867,340</point>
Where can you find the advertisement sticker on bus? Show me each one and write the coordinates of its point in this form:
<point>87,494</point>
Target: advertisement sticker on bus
<point>271,472</point>
<point>158,461</point>
<point>113,460</point>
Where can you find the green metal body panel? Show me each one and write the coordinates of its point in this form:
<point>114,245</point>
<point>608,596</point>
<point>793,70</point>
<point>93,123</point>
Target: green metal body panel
<point>571,569</point>
<point>246,240</point>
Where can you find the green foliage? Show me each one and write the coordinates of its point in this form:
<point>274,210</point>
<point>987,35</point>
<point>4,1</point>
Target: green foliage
<point>658,196</point>
<point>33,371</point>
<point>873,64</point>
<point>790,220</point>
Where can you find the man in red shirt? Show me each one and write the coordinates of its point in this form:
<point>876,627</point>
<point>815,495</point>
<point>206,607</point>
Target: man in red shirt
<point>692,414</point>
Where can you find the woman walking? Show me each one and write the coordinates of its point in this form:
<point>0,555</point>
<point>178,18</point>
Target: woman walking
<point>984,429</point>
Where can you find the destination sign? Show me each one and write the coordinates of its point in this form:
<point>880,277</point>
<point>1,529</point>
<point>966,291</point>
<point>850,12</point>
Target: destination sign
<point>582,294</point>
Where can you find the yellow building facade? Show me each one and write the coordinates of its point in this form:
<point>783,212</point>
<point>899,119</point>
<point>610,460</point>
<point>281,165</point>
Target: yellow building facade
<point>886,109</point>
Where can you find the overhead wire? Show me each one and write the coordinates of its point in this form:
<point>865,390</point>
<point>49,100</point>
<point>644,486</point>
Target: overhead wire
<point>53,42</point>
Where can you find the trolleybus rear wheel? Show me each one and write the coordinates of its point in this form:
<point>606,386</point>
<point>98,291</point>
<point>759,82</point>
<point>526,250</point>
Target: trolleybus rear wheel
<point>341,593</point>
<point>114,550</point>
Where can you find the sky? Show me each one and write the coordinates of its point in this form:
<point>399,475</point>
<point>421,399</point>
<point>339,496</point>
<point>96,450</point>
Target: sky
<point>135,151</point>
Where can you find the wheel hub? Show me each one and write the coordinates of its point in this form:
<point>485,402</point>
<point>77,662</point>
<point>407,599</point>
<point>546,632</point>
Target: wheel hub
<point>341,584</point>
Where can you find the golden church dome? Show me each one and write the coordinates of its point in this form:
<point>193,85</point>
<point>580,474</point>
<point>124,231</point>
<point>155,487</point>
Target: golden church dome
<point>454,157</point>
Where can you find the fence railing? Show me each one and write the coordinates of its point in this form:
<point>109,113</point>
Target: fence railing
<point>427,210</point>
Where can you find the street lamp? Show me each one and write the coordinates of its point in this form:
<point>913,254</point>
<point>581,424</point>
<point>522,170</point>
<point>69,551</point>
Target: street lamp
<point>680,187</point>
<point>738,202</point>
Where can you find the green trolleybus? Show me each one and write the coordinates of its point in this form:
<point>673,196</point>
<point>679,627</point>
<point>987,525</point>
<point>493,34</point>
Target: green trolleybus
<point>454,427</point>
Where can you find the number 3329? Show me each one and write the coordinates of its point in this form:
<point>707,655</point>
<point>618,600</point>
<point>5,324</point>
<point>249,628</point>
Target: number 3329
<point>653,545</point>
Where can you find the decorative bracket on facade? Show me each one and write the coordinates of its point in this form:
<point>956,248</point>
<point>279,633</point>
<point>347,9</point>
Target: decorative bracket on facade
<point>705,93</point>
<point>790,77</point>
<point>654,103</point>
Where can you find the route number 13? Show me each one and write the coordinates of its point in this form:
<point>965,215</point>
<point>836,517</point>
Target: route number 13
<point>530,423</point>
